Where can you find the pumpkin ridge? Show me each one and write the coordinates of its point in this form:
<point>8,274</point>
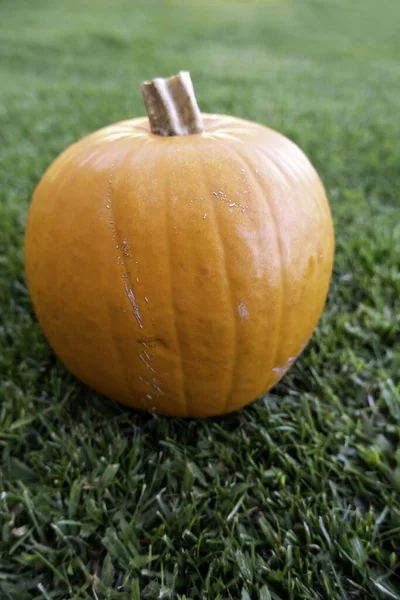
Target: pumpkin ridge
<point>165,192</point>
<point>229,286</point>
<point>66,159</point>
<point>316,272</point>
<point>266,155</point>
<point>245,161</point>
<point>289,174</point>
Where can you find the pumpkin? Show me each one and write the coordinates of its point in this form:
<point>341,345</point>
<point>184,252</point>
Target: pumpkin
<point>179,263</point>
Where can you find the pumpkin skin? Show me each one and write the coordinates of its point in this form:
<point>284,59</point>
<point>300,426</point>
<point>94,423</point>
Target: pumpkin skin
<point>182,275</point>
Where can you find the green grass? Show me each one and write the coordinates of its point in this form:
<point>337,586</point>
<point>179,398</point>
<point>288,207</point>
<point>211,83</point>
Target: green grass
<point>297,496</point>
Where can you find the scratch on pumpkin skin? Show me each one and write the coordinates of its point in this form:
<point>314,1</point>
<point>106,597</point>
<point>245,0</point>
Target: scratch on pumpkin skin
<point>125,250</point>
<point>147,355</point>
<point>121,257</point>
<point>282,370</point>
<point>135,307</point>
<point>155,386</point>
<point>243,312</point>
<point>146,363</point>
<point>154,383</point>
<point>119,357</point>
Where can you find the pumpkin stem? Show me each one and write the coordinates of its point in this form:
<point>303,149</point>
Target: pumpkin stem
<point>171,105</point>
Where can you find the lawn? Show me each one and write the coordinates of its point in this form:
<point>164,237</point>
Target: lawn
<point>298,495</point>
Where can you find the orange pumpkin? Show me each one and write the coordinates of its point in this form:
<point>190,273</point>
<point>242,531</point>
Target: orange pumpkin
<point>180,266</point>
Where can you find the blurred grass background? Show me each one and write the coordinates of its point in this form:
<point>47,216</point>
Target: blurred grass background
<point>296,496</point>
